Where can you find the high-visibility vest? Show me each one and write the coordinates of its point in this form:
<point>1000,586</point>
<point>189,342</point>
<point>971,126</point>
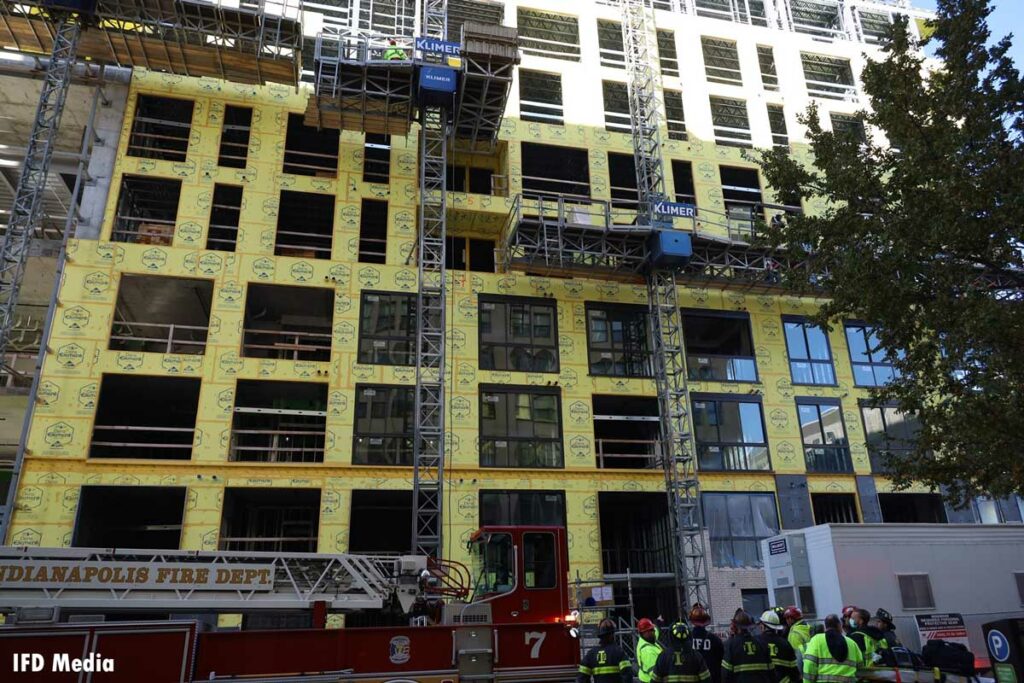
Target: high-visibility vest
<point>799,634</point>
<point>647,656</point>
<point>820,667</point>
<point>394,53</point>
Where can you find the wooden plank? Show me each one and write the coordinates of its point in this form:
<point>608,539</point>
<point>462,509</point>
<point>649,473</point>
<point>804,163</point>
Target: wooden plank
<point>123,48</point>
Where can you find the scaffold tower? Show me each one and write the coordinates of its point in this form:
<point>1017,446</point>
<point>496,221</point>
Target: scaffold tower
<point>678,457</point>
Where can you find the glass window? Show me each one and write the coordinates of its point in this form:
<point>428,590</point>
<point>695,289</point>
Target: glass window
<point>387,328</point>
<point>986,511</point>
<point>826,448</point>
<point>539,561</point>
<point>719,348</point>
<point>383,433</point>
<point>617,341</point>
<point>889,432</point>
<point>810,358</point>
<point>916,591</point>
<point>492,563</point>
<point>872,365</point>
<point>517,334</point>
<point>729,434</point>
<point>736,524</point>
<point>520,427</point>
<point>522,508</point>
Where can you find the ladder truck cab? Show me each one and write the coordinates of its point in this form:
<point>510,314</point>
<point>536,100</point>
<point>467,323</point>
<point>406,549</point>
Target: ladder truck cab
<point>503,618</point>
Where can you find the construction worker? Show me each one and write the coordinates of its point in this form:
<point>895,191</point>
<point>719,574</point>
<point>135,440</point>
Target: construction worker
<point>705,642</point>
<point>606,663</point>
<point>648,649</point>
<point>868,638</point>
<point>887,627</point>
<point>831,657</point>
<point>746,659</point>
<point>799,631</point>
<point>393,52</point>
<point>782,653</point>
<point>679,663</point>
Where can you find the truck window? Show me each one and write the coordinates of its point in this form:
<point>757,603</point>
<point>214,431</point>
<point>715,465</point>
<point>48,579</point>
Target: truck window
<point>493,564</point>
<point>539,560</point>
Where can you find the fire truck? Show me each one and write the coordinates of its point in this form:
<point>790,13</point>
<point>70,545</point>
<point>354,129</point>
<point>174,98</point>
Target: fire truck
<point>504,618</point>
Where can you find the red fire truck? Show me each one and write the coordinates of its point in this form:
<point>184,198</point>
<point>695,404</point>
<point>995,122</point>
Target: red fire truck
<point>505,618</point>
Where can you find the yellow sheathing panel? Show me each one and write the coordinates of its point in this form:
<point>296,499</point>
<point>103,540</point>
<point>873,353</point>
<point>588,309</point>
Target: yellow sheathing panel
<point>78,355</point>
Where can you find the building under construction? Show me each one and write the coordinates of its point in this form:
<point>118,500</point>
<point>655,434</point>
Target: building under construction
<point>304,304</point>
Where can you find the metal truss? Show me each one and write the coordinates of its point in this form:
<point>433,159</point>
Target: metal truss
<point>296,580</point>
<point>28,198</point>
<point>429,437</point>
<point>678,456</point>
<point>668,355</point>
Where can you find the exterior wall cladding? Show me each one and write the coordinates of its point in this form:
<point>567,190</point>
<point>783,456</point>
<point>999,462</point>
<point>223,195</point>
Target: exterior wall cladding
<point>80,352</point>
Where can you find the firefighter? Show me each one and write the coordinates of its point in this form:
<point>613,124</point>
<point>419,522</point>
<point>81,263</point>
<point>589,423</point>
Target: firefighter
<point>831,657</point>
<point>887,627</point>
<point>394,52</point>
<point>705,642</point>
<point>847,615</point>
<point>799,631</point>
<point>868,638</point>
<point>606,663</point>
<point>746,659</point>
<point>647,649</point>
<point>782,653</point>
<point>679,663</point>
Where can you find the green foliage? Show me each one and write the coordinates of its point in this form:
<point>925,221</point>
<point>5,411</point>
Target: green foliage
<point>922,220</point>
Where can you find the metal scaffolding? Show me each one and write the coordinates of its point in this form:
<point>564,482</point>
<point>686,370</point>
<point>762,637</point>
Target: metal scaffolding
<point>428,439</point>
<point>28,198</point>
<point>668,355</point>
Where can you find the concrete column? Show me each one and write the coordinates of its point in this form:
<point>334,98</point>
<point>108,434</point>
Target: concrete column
<point>109,122</point>
<point>869,507</point>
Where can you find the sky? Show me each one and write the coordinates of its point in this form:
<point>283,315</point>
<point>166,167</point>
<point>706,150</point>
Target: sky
<point>1007,17</point>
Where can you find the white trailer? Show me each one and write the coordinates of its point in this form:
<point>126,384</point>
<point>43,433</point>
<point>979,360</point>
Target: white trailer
<point>976,570</point>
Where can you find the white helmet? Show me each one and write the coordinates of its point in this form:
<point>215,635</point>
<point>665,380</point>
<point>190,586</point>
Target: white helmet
<point>770,618</point>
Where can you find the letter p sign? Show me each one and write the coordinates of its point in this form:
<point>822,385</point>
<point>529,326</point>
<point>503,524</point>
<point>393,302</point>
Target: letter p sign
<point>998,645</point>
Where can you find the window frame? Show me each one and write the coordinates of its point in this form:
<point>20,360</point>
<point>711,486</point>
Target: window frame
<point>928,583</point>
<point>553,562</point>
<point>506,493</point>
<point>749,495</point>
<point>711,313</point>
<point>723,445</point>
<point>408,435</point>
<point>596,305</point>
<point>518,300</point>
<point>409,337</point>
<point>515,390</point>
<point>818,402</point>
<point>865,330</point>
<point>802,320</point>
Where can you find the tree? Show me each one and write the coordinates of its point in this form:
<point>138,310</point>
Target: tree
<point>923,237</point>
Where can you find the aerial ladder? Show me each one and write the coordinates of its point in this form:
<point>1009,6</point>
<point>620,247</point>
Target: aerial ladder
<point>668,356</point>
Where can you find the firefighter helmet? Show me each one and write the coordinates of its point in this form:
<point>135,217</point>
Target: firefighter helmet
<point>770,618</point>
<point>848,611</point>
<point>742,621</point>
<point>680,632</point>
<point>793,612</point>
<point>645,625</point>
<point>606,628</point>
<point>884,616</point>
<point>698,615</point>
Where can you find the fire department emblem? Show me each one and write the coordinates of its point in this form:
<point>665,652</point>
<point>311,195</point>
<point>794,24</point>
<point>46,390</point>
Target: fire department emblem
<point>399,650</point>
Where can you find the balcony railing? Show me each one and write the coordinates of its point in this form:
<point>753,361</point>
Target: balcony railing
<point>140,441</point>
<point>627,453</point>
<point>828,459</point>
<point>158,337</point>
<point>732,458</point>
<point>721,368</point>
<point>278,435</point>
<point>286,344</point>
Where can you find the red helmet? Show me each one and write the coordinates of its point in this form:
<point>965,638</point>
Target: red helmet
<point>644,625</point>
<point>698,615</point>
<point>848,610</point>
<point>792,612</point>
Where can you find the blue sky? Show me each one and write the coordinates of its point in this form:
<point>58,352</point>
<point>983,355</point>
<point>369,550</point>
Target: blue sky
<point>1007,17</point>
